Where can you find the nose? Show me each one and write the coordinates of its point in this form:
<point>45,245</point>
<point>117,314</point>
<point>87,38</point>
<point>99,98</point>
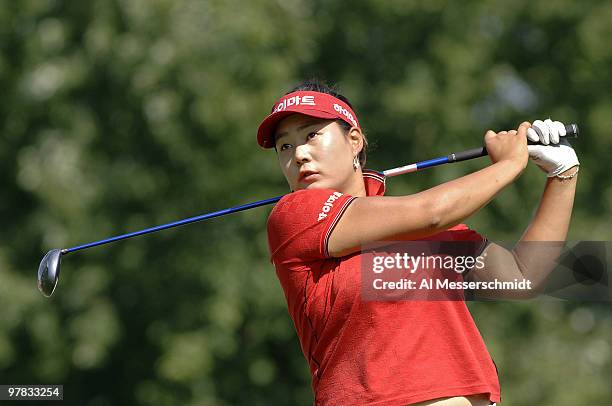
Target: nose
<point>302,154</point>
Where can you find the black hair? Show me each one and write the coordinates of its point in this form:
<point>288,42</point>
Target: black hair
<point>316,85</point>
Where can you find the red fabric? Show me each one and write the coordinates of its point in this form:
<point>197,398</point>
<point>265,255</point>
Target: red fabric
<point>367,352</point>
<point>314,104</point>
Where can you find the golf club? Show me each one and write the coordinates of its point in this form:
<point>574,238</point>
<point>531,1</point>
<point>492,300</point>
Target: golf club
<point>49,268</point>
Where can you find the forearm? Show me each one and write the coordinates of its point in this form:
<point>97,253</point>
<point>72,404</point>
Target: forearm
<point>552,218</point>
<point>542,242</point>
<point>450,203</point>
<point>455,201</point>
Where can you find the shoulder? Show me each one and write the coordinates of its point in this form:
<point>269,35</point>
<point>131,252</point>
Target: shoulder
<point>313,205</point>
<point>300,223</point>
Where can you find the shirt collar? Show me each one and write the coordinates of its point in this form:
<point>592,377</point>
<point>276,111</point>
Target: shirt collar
<point>374,183</point>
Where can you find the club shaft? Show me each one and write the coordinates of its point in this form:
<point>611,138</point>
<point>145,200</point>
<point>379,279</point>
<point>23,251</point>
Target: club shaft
<point>572,131</point>
<point>175,224</point>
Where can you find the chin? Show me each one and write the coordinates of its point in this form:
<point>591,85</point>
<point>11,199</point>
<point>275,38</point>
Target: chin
<point>321,184</point>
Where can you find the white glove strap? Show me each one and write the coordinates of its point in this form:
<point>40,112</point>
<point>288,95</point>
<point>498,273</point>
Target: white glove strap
<point>553,160</point>
<point>566,177</point>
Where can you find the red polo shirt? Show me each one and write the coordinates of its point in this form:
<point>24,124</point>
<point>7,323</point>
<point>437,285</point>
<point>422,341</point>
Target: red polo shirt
<point>370,352</point>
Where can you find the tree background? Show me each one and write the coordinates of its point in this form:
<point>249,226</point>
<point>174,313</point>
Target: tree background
<point>119,115</point>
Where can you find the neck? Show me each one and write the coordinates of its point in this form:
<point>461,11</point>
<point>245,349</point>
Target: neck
<point>355,186</point>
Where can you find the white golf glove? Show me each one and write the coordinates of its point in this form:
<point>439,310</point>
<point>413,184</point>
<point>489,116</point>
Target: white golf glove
<point>554,155</point>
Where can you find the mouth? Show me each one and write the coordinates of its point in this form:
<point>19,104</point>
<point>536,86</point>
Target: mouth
<point>308,176</point>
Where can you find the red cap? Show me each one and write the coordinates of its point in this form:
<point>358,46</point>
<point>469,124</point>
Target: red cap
<point>314,104</point>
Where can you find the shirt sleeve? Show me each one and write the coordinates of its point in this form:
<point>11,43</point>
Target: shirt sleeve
<point>301,222</point>
<point>477,244</point>
<point>462,232</point>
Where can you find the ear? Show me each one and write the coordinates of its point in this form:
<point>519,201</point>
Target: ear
<point>355,138</point>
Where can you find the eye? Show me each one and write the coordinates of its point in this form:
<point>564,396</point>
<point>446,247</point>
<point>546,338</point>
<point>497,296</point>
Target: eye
<point>311,135</point>
<point>284,147</point>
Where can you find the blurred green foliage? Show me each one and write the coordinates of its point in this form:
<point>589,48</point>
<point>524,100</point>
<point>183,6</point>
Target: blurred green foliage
<point>119,115</point>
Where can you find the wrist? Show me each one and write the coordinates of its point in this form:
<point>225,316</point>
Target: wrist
<point>570,171</point>
<point>505,172</point>
<point>513,166</point>
<point>567,174</point>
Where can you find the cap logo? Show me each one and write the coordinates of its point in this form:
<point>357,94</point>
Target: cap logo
<point>346,114</point>
<point>294,101</point>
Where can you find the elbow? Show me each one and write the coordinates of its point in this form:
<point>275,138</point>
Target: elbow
<point>535,290</point>
<point>524,294</point>
<point>436,214</point>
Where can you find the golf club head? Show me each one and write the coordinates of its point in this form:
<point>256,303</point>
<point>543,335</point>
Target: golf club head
<point>48,272</point>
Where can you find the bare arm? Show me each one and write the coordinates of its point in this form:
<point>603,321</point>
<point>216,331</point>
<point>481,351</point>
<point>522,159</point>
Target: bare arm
<point>372,219</point>
<point>534,256</point>
<point>552,218</point>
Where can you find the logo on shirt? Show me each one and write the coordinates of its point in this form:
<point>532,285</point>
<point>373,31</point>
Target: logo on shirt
<point>329,203</point>
<point>294,101</point>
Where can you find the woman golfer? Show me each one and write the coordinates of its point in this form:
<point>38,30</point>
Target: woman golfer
<point>392,352</point>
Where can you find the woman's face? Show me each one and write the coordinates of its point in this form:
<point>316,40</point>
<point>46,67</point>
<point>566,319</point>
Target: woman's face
<point>317,153</point>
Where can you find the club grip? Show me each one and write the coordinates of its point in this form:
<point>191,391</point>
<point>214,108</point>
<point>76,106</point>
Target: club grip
<point>571,131</point>
<point>468,154</point>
